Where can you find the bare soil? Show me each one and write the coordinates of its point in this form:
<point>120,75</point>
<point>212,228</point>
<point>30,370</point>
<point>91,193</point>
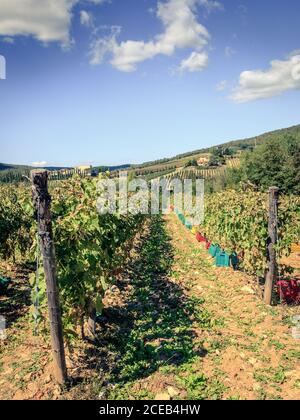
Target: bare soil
<point>174,327</point>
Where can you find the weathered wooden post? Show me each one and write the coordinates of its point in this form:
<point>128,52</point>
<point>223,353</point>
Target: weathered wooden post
<point>42,202</point>
<point>272,241</point>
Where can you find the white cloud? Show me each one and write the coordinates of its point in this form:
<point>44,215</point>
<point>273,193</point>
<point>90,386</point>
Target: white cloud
<point>50,21</point>
<point>181,30</point>
<point>46,20</point>
<point>41,164</point>
<point>282,76</point>
<point>195,62</point>
<point>100,46</point>
<point>221,85</point>
<point>86,18</point>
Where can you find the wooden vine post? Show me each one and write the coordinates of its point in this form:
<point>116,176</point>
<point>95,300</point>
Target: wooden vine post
<point>42,203</point>
<point>272,263</point>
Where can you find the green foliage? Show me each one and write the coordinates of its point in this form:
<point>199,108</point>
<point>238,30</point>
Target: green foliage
<point>90,248</point>
<point>192,162</point>
<point>217,157</point>
<point>275,162</point>
<point>229,147</point>
<point>233,178</point>
<point>195,385</point>
<point>239,222</point>
<point>16,217</point>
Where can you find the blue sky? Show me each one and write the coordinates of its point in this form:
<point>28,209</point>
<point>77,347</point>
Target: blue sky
<point>127,81</point>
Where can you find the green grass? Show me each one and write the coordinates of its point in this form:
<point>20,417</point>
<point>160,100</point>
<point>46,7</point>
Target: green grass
<point>270,376</point>
<point>154,330</point>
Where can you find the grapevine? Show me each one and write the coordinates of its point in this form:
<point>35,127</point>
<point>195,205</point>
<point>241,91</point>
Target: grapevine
<point>238,222</point>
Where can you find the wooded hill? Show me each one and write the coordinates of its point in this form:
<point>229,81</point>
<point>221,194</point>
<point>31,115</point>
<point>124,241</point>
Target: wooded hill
<point>178,161</point>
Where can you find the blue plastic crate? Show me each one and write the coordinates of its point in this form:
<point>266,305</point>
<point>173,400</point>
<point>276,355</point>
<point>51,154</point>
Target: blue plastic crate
<point>223,260</point>
<point>214,250</point>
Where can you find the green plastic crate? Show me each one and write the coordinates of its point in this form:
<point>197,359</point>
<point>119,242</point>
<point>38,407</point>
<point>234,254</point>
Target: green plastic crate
<point>214,250</point>
<point>223,259</point>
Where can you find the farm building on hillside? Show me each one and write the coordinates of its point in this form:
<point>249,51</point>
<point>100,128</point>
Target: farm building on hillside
<point>203,161</point>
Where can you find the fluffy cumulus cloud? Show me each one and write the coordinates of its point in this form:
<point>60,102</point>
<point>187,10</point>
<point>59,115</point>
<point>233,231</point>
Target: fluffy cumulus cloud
<point>46,20</point>
<point>50,21</point>
<point>282,76</point>
<point>195,62</point>
<point>181,30</point>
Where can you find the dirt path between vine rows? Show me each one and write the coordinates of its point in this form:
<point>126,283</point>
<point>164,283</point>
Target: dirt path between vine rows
<point>174,327</point>
<point>251,352</point>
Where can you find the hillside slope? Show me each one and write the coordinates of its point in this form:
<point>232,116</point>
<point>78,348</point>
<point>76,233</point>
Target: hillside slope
<point>242,144</point>
<point>169,164</point>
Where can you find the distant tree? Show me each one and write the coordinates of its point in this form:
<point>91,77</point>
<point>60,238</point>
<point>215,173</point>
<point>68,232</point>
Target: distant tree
<point>217,157</point>
<point>233,178</point>
<point>275,162</point>
<point>192,162</point>
<point>228,151</point>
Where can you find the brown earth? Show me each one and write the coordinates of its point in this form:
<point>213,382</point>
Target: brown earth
<point>241,349</point>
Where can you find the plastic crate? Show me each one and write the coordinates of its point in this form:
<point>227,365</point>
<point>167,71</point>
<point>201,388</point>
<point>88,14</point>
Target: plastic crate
<point>289,291</point>
<point>200,238</point>
<point>222,259</point>
<point>4,282</point>
<point>234,260</point>
<point>214,250</point>
<point>181,218</point>
<point>208,245</point>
